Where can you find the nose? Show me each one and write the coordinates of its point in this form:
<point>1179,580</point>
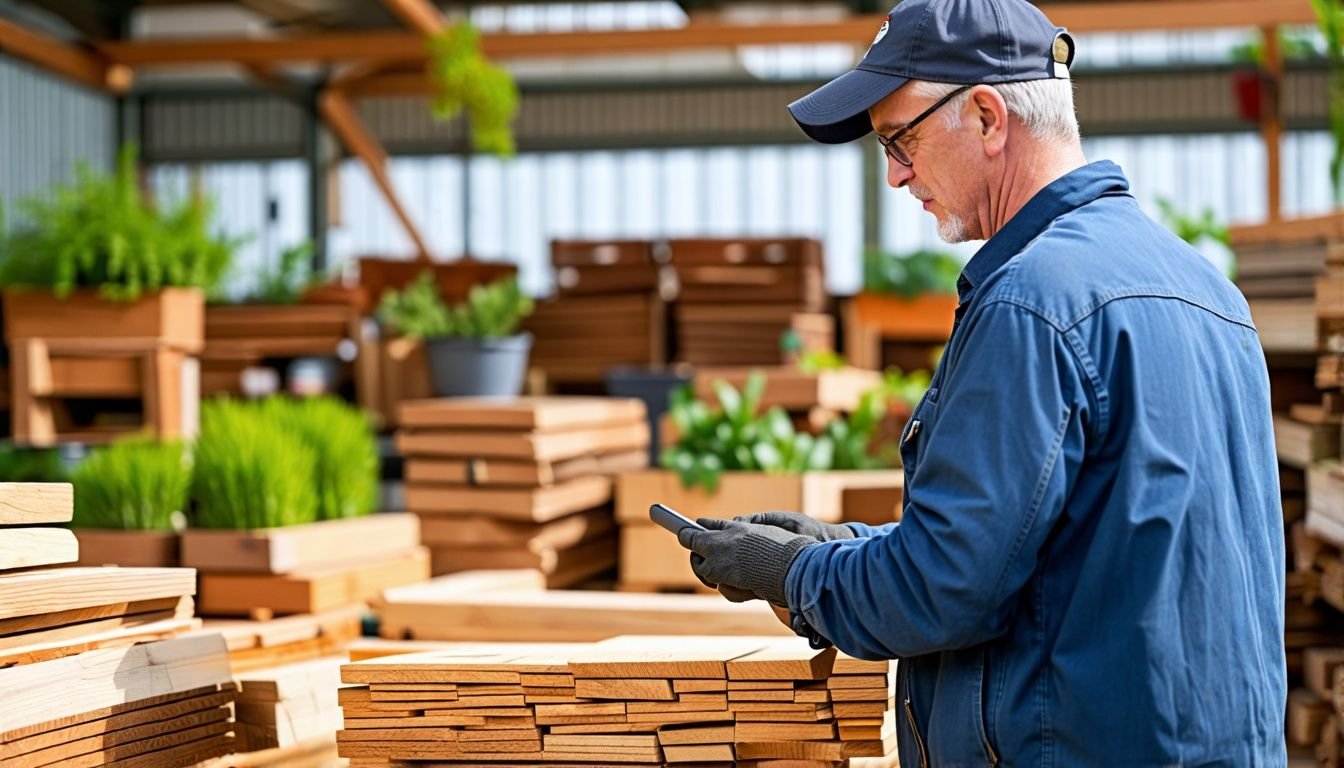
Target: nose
<point>898,175</point>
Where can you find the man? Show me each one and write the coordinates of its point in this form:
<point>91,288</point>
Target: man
<point>1089,569</point>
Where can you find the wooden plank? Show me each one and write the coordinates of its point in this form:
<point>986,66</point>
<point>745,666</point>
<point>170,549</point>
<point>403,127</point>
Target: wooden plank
<point>111,726</point>
<point>135,632</point>
<point>300,547</point>
<point>696,734</point>
<point>625,689</point>
<point>73,62</point>
<point>535,504</point>
<point>570,616</point>
<point>497,472</point>
<point>788,659</point>
<point>848,665</point>
<point>309,591</point>
<point>36,503</point>
<point>292,682</point>
<point>539,414</point>
<point>531,446</point>
<point>341,622</point>
<point>485,531</point>
<point>128,742</point>
<point>562,567</point>
<point>132,549</point>
<point>24,624</point>
<point>29,593</point>
<point>699,753</point>
<point>178,608</point>
<point>30,547</point>
<point>662,656</point>
<point>51,690</point>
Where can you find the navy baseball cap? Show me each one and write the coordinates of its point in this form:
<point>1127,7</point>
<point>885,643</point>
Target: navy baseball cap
<point>941,41</point>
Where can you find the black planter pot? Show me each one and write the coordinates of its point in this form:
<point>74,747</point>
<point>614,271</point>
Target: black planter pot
<point>470,367</point>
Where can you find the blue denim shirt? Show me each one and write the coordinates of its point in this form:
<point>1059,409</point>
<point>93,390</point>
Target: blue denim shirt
<point>1090,566</point>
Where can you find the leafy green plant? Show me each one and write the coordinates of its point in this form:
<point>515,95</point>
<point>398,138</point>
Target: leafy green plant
<point>99,232</point>
<point>291,275</point>
<point>909,275</point>
<point>464,79</point>
<point>1192,229</point>
<point>490,311</point>
<point>249,473</point>
<point>136,484</point>
<point>31,465</point>
<point>344,449</point>
<point>735,437</point>
<point>1330,19</point>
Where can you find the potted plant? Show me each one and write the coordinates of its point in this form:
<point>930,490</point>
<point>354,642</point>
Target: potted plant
<point>733,459</point>
<point>473,348</point>
<point>98,260</point>
<point>130,503</point>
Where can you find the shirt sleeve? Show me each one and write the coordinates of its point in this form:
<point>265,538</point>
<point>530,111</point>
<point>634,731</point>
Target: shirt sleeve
<point>992,476</point>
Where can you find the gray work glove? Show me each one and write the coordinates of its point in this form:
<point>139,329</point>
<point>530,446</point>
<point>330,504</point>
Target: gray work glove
<point>802,525</point>
<point>743,560</point>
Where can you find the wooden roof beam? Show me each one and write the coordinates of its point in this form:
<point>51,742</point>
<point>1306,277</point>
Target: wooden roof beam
<point>419,15</point>
<point>1132,16</point>
<point>70,61</point>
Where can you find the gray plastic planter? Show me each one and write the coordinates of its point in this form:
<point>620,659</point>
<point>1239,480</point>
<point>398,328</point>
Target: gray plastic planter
<point>465,367</point>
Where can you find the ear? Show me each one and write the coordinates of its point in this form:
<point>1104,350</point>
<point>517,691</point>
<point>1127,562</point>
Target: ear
<point>989,114</point>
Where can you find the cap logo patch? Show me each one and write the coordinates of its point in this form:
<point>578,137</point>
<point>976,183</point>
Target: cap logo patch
<point>881,33</point>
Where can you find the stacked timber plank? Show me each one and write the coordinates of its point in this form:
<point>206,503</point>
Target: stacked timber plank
<point>29,513</point>
<point>289,705</point>
<point>520,483</point>
<point>608,311</point>
<point>640,700</point>
<point>513,606</point>
<point>1278,266</point>
<point>275,642</point>
<point>738,295</point>
<point>159,705</point>
<point>304,569</point>
<point>92,669</point>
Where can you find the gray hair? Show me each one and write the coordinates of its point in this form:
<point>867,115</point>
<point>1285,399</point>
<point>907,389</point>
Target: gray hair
<point>1045,107</point>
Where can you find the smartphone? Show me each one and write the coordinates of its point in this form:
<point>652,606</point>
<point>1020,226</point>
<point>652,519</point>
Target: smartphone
<point>671,519</point>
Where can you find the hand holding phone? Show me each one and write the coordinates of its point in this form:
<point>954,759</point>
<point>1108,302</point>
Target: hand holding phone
<point>671,519</point>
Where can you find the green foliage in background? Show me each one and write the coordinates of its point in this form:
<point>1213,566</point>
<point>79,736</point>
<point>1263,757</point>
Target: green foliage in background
<point>99,232</point>
<point>735,437</point>
<point>1330,19</point>
<point>1294,45</point>
<point>344,449</point>
<point>31,465</point>
<point>136,484</point>
<point>464,79</point>
<point>490,311</point>
<point>1192,229</point>
<point>909,275</point>
<point>286,281</point>
<point>249,472</point>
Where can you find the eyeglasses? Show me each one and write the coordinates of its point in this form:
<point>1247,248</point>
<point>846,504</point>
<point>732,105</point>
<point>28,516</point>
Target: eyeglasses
<point>894,150</point>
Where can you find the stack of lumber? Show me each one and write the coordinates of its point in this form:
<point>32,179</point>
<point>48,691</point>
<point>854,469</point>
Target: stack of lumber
<point>520,482</point>
<point>304,569</point>
<point>29,514</point>
<point>514,606</point>
<point>738,295</point>
<point>642,700</point>
<point>289,705</point>
<point>651,558</point>
<point>314,753</point>
<point>275,642</point>
<point>1280,267</point>
<point>608,311</point>
<point>158,705</point>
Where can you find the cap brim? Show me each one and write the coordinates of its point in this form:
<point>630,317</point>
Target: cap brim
<point>837,112</point>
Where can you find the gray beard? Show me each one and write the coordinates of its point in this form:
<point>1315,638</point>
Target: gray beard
<point>952,229</point>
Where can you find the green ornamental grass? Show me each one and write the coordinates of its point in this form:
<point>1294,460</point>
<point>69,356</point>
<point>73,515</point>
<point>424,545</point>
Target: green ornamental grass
<point>137,484</point>
<point>344,450</point>
<point>250,472</point>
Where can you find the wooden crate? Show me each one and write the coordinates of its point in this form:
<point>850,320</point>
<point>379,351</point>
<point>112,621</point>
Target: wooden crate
<point>872,318</point>
<point>597,267</point>
<point>746,334</point>
<point>651,557</point>
<point>577,338</point>
<point>300,547</point>
<point>140,549</point>
<point>173,317</point>
<point>751,270</point>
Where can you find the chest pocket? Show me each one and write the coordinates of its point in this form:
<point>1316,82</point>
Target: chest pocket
<point>917,430</point>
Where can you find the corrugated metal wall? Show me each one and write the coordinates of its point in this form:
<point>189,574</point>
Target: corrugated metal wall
<point>46,125</point>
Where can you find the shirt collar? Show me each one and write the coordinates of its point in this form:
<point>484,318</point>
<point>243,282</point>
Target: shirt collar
<point>1072,190</point>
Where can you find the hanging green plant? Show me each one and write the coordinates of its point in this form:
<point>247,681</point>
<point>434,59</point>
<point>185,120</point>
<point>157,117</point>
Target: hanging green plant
<point>464,79</point>
<point>1330,18</point>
